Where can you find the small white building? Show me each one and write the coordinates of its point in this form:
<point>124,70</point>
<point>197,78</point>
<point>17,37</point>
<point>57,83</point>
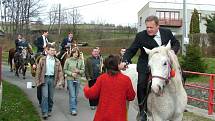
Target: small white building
<point>170,15</point>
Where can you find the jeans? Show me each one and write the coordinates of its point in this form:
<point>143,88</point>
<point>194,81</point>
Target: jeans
<point>47,95</point>
<point>39,94</point>
<point>73,87</point>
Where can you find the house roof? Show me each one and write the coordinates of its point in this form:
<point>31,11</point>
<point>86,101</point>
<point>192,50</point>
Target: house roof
<point>177,5</point>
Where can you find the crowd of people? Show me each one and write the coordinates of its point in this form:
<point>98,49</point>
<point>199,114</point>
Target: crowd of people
<point>101,74</point>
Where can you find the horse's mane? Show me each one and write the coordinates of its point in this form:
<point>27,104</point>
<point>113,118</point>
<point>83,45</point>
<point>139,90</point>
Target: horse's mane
<point>176,66</point>
<point>174,59</point>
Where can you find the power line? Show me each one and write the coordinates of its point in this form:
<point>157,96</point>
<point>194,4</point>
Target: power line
<point>84,5</point>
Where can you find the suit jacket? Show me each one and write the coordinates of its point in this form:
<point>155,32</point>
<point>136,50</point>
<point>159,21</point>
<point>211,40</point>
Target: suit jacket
<point>142,39</point>
<point>39,44</point>
<point>65,41</point>
<point>16,44</point>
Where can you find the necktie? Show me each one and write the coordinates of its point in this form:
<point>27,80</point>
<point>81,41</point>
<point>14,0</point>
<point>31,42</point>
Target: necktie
<point>46,40</point>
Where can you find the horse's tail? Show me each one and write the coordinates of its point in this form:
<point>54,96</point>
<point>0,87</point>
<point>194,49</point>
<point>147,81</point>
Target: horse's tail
<point>9,57</point>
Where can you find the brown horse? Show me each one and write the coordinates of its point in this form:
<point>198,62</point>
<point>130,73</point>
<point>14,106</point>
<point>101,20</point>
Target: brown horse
<point>21,61</point>
<point>11,54</point>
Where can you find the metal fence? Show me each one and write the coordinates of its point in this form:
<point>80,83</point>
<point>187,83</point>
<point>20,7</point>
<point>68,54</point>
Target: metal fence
<point>209,88</point>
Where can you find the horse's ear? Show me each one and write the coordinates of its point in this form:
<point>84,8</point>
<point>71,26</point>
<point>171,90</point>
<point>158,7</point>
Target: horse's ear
<point>147,50</point>
<point>168,46</point>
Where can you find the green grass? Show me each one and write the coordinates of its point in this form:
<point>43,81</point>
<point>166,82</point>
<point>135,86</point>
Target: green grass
<point>188,116</point>
<point>210,70</point>
<point>4,56</point>
<point>16,106</point>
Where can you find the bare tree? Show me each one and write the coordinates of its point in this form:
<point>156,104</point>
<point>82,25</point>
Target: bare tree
<point>73,18</point>
<point>17,14</point>
<point>52,16</point>
<point>99,28</point>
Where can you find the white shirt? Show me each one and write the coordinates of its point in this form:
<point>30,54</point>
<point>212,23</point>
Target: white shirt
<point>157,38</point>
<point>45,40</point>
<point>50,65</point>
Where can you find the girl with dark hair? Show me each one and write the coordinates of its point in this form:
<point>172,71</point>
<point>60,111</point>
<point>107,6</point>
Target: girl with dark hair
<point>113,90</point>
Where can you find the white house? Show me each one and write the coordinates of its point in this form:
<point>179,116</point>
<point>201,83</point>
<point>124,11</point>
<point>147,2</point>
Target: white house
<point>170,15</point>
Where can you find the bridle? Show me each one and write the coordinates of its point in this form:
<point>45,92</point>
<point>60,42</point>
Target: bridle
<point>166,79</point>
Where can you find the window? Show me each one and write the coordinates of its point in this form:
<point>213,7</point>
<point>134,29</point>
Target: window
<point>167,14</point>
<point>173,15</point>
<point>140,21</point>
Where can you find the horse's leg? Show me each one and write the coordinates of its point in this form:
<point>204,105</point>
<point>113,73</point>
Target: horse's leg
<point>16,70</point>
<point>11,66</point>
<point>20,69</point>
<point>24,68</point>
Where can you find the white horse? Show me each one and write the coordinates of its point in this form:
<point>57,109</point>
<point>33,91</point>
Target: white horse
<point>167,99</point>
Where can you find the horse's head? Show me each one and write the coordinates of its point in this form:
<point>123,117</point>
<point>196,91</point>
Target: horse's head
<point>160,66</point>
<point>24,53</point>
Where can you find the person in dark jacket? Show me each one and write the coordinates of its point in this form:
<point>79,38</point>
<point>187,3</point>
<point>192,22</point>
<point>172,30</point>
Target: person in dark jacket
<point>150,38</point>
<point>42,41</point>
<point>66,43</point>
<point>93,66</point>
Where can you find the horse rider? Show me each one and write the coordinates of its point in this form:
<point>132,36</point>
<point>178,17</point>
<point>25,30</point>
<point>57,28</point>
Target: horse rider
<point>42,41</point>
<point>21,44</point>
<point>152,37</point>
<point>19,38</point>
<point>66,43</point>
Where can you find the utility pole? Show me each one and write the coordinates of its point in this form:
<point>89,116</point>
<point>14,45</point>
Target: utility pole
<point>59,21</point>
<point>185,39</point>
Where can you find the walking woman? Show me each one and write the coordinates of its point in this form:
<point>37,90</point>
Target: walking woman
<point>73,70</point>
<point>113,90</point>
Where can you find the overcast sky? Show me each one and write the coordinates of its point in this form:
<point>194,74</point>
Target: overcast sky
<point>122,12</point>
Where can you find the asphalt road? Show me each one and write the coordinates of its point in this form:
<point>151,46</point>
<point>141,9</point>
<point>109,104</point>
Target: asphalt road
<point>61,100</point>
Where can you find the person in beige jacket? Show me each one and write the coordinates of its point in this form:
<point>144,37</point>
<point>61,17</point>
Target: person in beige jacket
<point>49,75</point>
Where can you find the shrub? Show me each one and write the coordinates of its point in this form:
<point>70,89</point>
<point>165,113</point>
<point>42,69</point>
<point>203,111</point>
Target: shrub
<point>193,60</point>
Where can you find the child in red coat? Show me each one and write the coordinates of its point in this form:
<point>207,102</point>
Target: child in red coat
<point>113,90</point>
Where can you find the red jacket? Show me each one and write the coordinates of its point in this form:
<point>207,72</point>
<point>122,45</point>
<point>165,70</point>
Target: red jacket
<point>112,91</point>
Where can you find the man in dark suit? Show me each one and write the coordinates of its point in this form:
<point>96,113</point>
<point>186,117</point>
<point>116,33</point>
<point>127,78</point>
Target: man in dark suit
<point>66,43</point>
<point>150,38</point>
<point>42,41</point>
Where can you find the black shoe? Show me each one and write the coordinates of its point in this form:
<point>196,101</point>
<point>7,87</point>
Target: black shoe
<point>143,116</point>
<point>45,116</point>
